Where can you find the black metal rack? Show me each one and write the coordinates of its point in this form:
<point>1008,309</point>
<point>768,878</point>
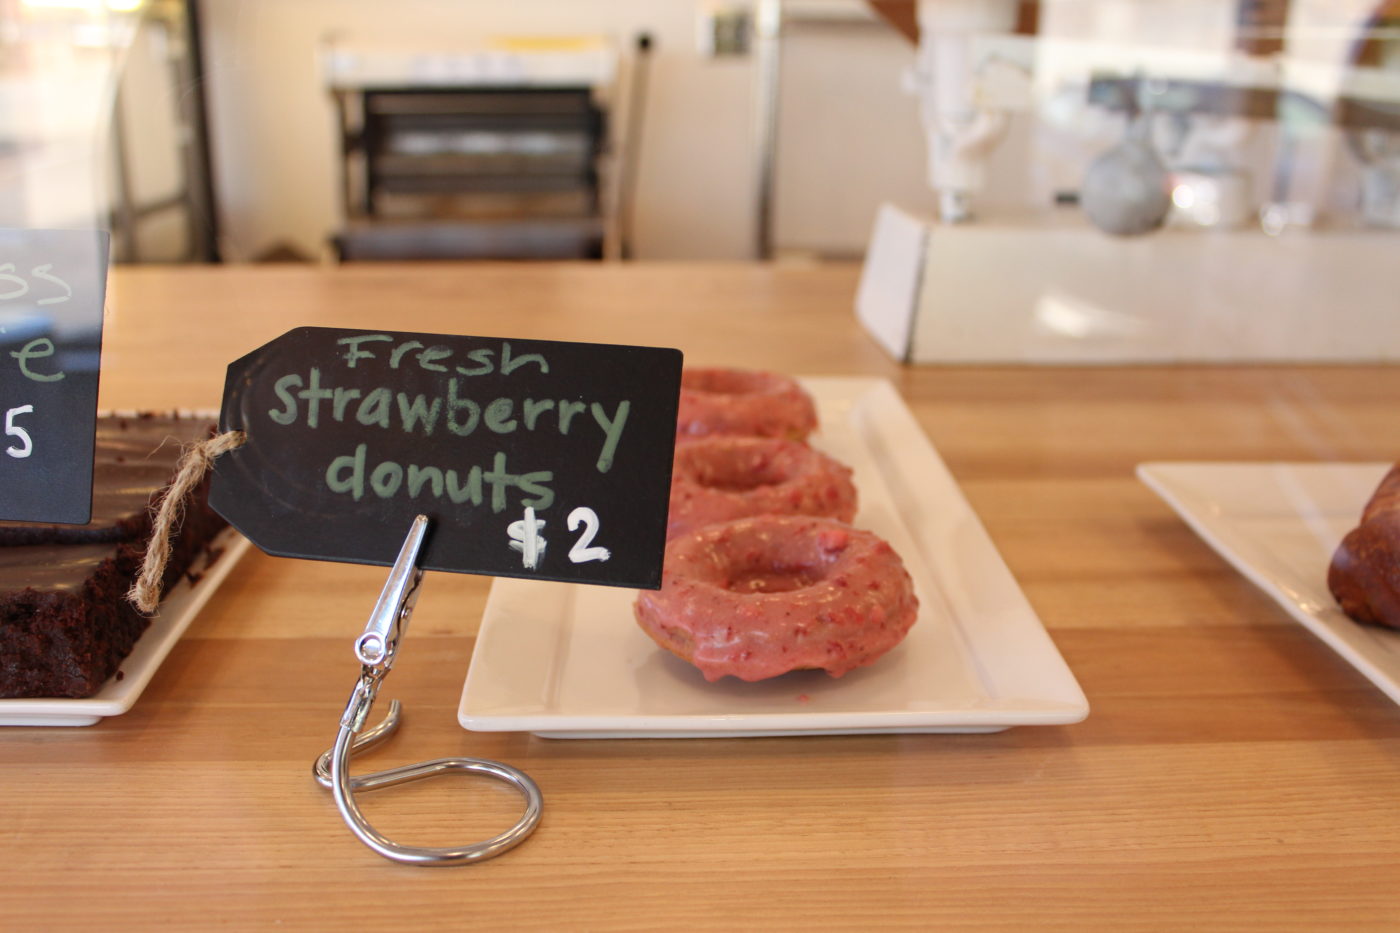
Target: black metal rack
<point>471,172</point>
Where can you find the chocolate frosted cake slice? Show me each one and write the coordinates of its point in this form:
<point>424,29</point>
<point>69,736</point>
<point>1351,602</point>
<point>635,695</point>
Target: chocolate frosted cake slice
<point>65,622</point>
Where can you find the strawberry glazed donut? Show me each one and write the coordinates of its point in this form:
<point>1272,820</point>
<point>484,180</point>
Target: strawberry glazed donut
<point>737,401</point>
<point>761,596</point>
<point>716,479</point>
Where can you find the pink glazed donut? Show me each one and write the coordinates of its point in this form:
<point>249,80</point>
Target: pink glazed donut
<point>737,401</point>
<point>720,478</point>
<point>761,596</point>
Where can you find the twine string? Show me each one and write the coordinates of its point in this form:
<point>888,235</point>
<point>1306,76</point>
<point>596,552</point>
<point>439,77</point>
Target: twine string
<point>197,460</point>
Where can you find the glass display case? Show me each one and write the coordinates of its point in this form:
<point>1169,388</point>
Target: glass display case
<point>1196,181</point>
<point>103,124</point>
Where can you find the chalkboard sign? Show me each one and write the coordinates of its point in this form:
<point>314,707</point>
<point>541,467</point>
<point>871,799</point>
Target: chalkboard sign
<point>52,285</point>
<point>532,458</point>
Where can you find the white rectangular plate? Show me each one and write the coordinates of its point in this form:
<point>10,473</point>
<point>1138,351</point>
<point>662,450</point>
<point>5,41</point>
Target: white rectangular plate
<point>119,694</point>
<point>568,661</point>
<point>1278,524</point>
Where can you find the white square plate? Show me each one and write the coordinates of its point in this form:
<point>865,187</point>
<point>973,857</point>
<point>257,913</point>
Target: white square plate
<point>569,661</point>
<point>1278,524</point>
<point>120,693</point>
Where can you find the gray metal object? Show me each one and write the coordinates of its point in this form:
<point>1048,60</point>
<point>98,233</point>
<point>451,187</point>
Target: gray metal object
<point>1127,190</point>
<point>768,27</point>
<point>376,649</point>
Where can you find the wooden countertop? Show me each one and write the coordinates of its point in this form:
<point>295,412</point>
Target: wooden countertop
<point>1234,773</point>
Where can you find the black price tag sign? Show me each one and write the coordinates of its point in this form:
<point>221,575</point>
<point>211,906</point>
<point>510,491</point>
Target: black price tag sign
<point>532,458</point>
<point>52,285</point>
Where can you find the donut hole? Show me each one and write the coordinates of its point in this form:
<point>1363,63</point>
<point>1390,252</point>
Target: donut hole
<point>735,470</point>
<point>726,381</point>
<point>773,579</point>
<point>759,572</point>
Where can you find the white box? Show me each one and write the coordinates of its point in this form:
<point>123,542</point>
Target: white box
<point>1056,290</point>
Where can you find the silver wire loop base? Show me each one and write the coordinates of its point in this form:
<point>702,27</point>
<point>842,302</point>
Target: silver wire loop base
<point>332,771</point>
<point>376,649</point>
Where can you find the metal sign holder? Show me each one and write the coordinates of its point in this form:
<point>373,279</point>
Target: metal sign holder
<point>376,649</point>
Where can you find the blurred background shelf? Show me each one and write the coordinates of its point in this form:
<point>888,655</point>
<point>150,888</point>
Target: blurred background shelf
<point>471,172</point>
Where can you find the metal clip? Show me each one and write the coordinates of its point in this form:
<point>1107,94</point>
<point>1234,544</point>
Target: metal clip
<point>376,650</point>
<point>378,645</point>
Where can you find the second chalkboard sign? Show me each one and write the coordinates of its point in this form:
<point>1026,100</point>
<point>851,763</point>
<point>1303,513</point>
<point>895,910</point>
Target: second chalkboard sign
<point>52,287</point>
<point>532,458</point>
